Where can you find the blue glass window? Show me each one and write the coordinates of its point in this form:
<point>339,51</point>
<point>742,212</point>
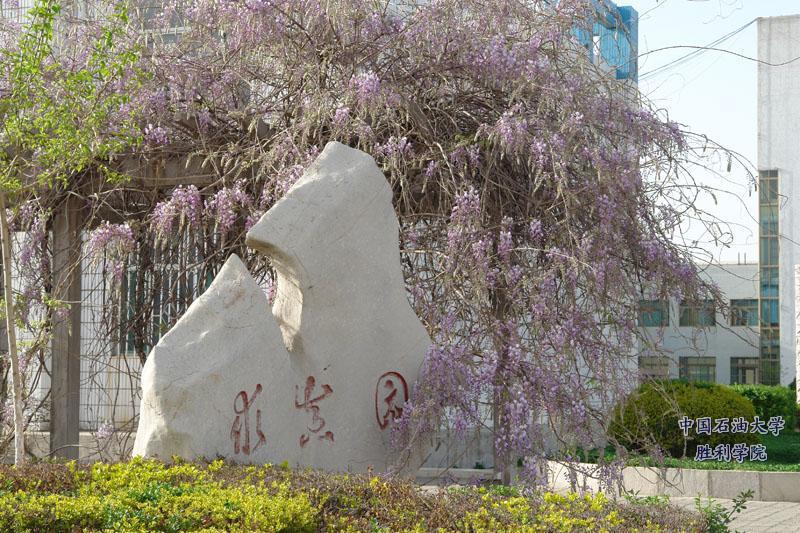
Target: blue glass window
<point>744,312</point>
<point>770,312</point>
<point>653,313</point>
<point>769,282</point>
<point>698,314</point>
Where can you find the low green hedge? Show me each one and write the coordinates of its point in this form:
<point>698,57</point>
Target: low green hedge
<point>147,496</point>
<point>144,495</point>
<point>649,416</point>
<point>771,400</point>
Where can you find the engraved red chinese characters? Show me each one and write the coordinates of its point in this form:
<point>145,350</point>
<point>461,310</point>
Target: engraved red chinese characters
<point>391,393</point>
<point>243,419</point>
<point>310,405</point>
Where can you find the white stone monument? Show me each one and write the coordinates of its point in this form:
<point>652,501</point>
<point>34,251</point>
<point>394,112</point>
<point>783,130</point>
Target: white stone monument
<point>319,380</point>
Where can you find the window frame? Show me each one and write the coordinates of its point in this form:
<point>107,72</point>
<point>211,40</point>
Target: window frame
<point>744,314</point>
<point>654,362</point>
<point>649,309</point>
<point>687,363</point>
<point>743,364</point>
<point>691,313</point>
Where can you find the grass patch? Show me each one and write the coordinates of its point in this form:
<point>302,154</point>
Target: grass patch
<point>783,455</point>
<point>144,495</point>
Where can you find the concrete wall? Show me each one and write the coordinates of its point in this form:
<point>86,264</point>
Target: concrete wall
<point>721,341</point>
<point>766,486</point>
<point>778,134</point>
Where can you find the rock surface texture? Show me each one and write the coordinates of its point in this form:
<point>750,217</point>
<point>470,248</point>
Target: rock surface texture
<point>319,380</point>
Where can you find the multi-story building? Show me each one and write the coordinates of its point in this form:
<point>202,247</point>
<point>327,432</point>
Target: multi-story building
<point>763,351</point>
<point>694,341</point>
<point>612,39</point>
<point>779,168</point>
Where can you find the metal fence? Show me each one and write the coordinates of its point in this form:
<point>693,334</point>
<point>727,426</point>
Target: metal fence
<point>112,353</point>
<point>110,387</point>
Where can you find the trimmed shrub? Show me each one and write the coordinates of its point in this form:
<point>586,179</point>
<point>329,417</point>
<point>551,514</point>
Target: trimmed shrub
<point>649,416</point>
<point>146,495</point>
<point>149,496</point>
<point>771,400</point>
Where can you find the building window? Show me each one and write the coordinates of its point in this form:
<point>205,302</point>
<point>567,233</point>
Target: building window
<point>745,370</point>
<point>770,372</point>
<point>770,343</point>
<point>698,369</point>
<point>769,282</point>
<point>768,187</point>
<point>744,312</point>
<point>770,312</point>
<point>770,355</point>
<point>698,314</point>
<point>769,250</point>
<point>769,259</point>
<point>653,367</point>
<point>768,218</point>
<point>653,313</point>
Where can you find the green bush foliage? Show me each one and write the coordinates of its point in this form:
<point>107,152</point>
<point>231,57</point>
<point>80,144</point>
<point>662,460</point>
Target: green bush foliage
<point>771,400</point>
<point>649,416</point>
<point>145,495</point>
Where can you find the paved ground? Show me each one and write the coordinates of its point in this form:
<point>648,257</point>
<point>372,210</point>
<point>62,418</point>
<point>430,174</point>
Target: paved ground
<point>759,517</point>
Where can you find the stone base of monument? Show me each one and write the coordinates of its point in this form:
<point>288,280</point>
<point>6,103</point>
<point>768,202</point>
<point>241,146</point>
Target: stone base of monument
<point>317,380</point>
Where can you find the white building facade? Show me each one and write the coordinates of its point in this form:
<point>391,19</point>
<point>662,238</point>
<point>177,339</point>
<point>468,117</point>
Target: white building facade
<point>779,167</point>
<point>697,343</point>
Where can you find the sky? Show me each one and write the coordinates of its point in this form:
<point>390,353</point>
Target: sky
<point>713,93</point>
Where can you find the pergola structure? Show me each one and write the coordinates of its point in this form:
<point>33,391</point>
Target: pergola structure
<point>150,180</point>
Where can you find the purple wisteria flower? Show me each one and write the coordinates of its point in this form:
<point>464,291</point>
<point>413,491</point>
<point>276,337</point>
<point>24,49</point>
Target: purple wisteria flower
<point>204,119</point>
<point>185,203</point>
<point>8,410</point>
<point>341,116</point>
<point>104,432</point>
<point>512,129</point>
<point>505,243</point>
<point>114,242</point>
<point>431,169</point>
<point>155,135</point>
<point>223,206</point>
<point>366,87</point>
<point>394,147</point>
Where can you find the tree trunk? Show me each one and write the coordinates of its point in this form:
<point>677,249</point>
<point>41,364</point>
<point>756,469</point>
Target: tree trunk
<point>13,355</point>
<point>503,463</point>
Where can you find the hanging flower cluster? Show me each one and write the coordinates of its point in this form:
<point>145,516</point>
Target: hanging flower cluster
<point>114,242</point>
